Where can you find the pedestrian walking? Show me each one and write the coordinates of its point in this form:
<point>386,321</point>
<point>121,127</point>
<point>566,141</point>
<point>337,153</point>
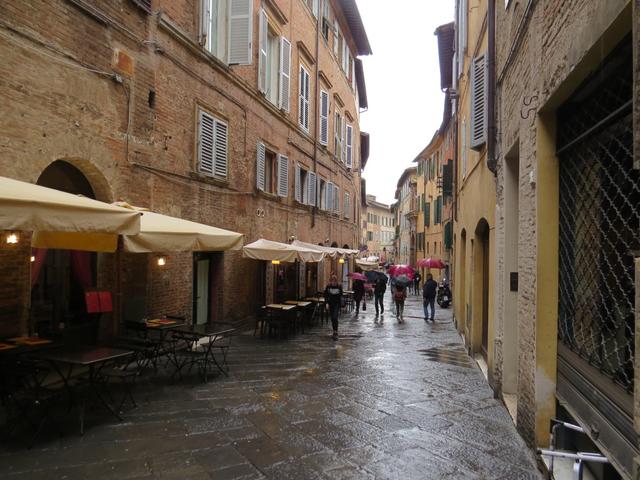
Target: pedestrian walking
<point>399,296</point>
<point>416,283</point>
<point>333,297</point>
<point>378,292</point>
<point>429,297</point>
<point>358,294</point>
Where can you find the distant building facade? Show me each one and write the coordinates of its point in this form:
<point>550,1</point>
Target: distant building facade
<point>378,229</point>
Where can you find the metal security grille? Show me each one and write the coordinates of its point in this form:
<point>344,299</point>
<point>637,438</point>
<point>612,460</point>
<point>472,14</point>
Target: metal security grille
<point>599,221</point>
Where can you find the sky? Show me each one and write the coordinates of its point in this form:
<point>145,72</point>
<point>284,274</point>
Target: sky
<point>403,86</point>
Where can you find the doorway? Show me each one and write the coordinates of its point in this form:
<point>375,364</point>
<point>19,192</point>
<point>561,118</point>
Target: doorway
<point>481,287</point>
<point>207,286</point>
<point>201,290</point>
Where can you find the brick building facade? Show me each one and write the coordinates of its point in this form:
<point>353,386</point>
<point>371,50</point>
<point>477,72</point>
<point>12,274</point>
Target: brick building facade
<point>239,114</point>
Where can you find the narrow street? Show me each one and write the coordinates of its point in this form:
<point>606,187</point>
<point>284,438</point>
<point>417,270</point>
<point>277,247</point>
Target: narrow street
<point>387,400</point>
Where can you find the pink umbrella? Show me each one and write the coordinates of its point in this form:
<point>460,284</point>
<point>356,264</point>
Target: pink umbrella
<point>397,270</point>
<point>358,276</point>
<point>431,263</point>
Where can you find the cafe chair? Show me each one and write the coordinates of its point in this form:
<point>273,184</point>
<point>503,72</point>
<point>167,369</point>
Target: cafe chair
<point>124,373</point>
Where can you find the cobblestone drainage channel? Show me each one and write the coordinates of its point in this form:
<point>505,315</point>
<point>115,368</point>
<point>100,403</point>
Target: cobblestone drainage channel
<point>450,353</point>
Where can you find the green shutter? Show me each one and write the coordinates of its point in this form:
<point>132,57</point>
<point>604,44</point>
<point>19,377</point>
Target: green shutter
<point>427,214</point>
<point>448,235</point>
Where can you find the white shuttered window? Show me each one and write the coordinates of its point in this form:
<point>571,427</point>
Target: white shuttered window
<point>262,60</point>
<point>311,188</point>
<point>240,31</point>
<point>283,176</point>
<point>347,204</point>
<point>329,204</point>
<point>212,145</point>
<point>285,74</point>
<point>303,99</point>
<point>349,147</point>
<point>260,166</point>
<point>478,102</point>
<point>336,199</point>
<point>298,184</point>
<point>324,117</point>
<point>337,141</point>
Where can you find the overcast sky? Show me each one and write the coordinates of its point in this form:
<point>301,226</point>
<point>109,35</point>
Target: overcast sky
<point>403,85</point>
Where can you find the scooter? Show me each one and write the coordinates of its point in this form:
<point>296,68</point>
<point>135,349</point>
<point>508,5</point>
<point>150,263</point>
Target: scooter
<point>444,295</point>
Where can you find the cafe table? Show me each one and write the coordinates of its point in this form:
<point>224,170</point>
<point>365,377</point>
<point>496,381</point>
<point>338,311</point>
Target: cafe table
<point>283,311</point>
<point>202,341</point>
<point>319,307</point>
<point>305,306</point>
<point>155,341</point>
<point>66,361</point>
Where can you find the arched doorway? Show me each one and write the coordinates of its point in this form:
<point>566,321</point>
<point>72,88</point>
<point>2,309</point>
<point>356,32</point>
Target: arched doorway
<point>60,277</point>
<point>481,285</point>
<point>460,304</point>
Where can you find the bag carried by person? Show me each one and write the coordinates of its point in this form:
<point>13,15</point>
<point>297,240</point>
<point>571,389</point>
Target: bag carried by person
<point>399,294</point>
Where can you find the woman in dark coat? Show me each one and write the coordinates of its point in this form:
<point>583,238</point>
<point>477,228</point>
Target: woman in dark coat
<point>358,293</point>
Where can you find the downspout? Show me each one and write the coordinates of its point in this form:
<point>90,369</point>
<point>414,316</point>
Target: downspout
<point>491,90</point>
<point>315,108</point>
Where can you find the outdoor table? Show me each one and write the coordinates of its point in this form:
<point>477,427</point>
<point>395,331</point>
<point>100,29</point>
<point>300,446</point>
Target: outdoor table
<point>91,357</point>
<point>282,313</point>
<point>23,344</point>
<point>305,306</point>
<point>319,302</point>
<point>201,353</point>
<point>153,348</point>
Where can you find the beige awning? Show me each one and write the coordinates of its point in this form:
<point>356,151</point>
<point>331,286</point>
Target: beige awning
<point>366,266</point>
<point>267,250</point>
<point>70,221</point>
<point>330,251</point>
<point>162,233</point>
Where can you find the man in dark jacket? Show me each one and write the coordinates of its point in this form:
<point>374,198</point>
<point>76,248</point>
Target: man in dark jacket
<point>333,298</point>
<point>429,297</point>
<point>378,292</point>
<point>358,293</point>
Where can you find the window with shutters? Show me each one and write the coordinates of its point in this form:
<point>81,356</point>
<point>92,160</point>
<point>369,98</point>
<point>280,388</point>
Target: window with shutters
<point>283,176</point>
<point>349,147</point>
<point>330,188</point>
<point>266,169</point>
<point>327,25</point>
<point>347,205</point>
<point>337,142</point>
<point>303,98</point>
<point>313,6</point>
<point>226,29</point>
<point>463,148</point>
<point>284,90</point>
<point>461,26</point>
<point>427,214</point>
<point>321,201</point>
<point>336,199</point>
<point>212,145</point>
<point>324,117</point>
<point>312,189</point>
<point>478,102</point>
<point>301,185</point>
<point>269,59</point>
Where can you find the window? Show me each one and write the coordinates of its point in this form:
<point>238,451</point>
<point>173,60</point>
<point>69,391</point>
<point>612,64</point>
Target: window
<point>326,21</point>
<point>463,148</point>
<point>427,214</point>
<point>226,29</point>
<point>462,34</point>
<point>266,169</point>
<point>349,147</point>
<point>212,145</point>
<point>370,236</point>
<point>336,199</point>
<point>303,99</point>
<point>330,196</point>
<point>478,102</point>
<point>324,117</point>
<point>313,5</point>
<point>337,142</point>
<point>347,204</point>
<point>305,186</point>
<point>274,64</point>
<point>321,202</point>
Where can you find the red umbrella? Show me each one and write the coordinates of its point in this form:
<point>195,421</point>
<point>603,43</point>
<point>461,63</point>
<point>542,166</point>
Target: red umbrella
<point>397,270</point>
<point>358,276</point>
<point>431,263</point>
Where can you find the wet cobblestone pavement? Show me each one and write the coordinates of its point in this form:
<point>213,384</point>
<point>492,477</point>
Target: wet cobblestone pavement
<point>388,400</point>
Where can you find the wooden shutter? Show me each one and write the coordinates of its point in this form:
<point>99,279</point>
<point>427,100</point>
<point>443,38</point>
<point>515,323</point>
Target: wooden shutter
<point>206,143</point>
<point>336,199</point>
<point>205,21</point>
<point>240,32</point>
<point>285,74</point>
<point>260,159</point>
<point>324,117</point>
<point>349,148</point>
<point>220,153</point>
<point>283,176</point>
<point>478,101</point>
<point>262,60</point>
<point>311,188</point>
<point>298,184</point>
<point>427,214</point>
<point>303,99</point>
<point>329,204</point>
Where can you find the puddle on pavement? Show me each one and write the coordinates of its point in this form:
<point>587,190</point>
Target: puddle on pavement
<point>451,353</point>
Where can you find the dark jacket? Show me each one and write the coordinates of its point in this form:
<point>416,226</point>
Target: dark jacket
<point>358,289</point>
<point>429,289</point>
<point>381,286</point>
<point>333,295</point>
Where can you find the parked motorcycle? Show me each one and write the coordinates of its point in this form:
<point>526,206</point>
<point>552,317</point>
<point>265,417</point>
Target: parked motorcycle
<point>444,294</point>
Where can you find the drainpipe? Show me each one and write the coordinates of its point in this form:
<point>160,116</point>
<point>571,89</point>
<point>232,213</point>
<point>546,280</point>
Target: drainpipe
<point>315,109</point>
<point>491,90</point>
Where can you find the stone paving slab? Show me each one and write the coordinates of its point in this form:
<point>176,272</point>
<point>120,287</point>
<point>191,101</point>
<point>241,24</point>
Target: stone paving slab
<point>388,400</point>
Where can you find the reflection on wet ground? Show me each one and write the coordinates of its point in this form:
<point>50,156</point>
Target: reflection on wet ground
<point>388,400</point>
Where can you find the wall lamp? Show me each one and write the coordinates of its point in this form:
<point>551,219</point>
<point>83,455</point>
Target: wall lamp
<point>12,238</point>
<point>162,261</point>
<point>275,262</point>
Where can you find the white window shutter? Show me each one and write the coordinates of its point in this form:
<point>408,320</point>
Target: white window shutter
<point>283,176</point>
<point>220,154</point>
<point>206,143</point>
<point>336,38</point>
<point>347,204</point>
<point>205,21</point>
<point>343,150</point>
<point>318,192</point>
<point>303,99</point>
<point>314,8</point>
<point>285,74</point>
<point>240,32</point>
<point>349,143</point>
<point>260,159</point>
<point>329,203</point>
<point>478,102</point>
<point>262,61</point>
<point>311,188</point>
<point>336,199</point>
<point>324,117</point>
<point>298,184</point>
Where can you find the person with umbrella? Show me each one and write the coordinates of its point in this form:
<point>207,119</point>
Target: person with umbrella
<point>358,293</point>
<point>416,282</point>
<point>333,297</point>
<point>400,294</point>
<point>378,292</point>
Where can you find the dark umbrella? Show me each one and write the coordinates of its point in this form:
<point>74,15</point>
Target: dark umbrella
<point>403,280</point>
